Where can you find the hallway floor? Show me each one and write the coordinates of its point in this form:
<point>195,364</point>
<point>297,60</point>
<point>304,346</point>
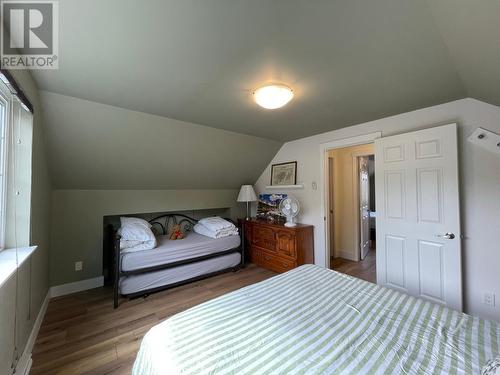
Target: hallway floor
<point>364,269</point>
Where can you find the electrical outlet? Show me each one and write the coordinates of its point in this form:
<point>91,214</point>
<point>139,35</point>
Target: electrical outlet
<point>489,299</point>
<point>78,266</point>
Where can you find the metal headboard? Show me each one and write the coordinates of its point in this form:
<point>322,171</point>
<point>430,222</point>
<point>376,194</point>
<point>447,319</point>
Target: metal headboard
<point>167,221</point>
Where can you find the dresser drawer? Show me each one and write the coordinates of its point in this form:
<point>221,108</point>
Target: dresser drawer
<point>264,237</point>
<point>275,263</point>
<point>286,243</point>
<point>277,247</point>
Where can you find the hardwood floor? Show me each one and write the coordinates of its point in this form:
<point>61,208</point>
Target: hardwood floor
<point>365,269</point>
<point>83,334</point>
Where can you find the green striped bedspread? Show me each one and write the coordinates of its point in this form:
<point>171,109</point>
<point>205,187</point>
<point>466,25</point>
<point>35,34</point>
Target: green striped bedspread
<point>316,321</point>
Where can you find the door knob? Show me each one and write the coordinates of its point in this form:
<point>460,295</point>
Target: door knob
<point>448,236</point>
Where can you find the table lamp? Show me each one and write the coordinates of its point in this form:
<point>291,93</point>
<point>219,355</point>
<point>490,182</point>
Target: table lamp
<point>247,194</point>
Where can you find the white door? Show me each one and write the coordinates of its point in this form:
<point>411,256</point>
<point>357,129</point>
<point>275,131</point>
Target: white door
<point>364,206</point>
<point>418,223</point>
<point>331,208</point>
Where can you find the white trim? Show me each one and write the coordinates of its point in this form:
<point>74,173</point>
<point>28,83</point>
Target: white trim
<point>12,259</point>
<point>77,286</point>
<point>25,361</point>
<point>6,102</point>
<point>323,148</point>
<point>346,255</point>
<point>298,186</point>
<point>24,364</point>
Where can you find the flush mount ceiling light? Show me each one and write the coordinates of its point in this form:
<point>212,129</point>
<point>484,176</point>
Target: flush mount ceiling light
<point>273,96</point>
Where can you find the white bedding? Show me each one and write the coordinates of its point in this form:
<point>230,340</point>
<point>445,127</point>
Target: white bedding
<point>138,283</point>
<point>201,229</point>
<point>216,224</point>
<point>130,246</point>
<point>168,251</point>
<point>136,235</point>
<point>316,321</point>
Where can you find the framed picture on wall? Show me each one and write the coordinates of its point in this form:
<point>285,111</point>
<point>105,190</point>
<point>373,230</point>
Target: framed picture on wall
<point>284,173</point>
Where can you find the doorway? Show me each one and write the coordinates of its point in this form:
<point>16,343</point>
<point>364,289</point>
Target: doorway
<point>351,210</point>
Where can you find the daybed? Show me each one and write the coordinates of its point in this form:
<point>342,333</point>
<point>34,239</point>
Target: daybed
<point>173,262</point>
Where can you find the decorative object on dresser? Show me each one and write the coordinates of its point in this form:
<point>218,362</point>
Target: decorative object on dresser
<point>268,207</point>
<point>276,247</point>
<point>290,207</point>
<point>284,173</point>
<point>247,194</point>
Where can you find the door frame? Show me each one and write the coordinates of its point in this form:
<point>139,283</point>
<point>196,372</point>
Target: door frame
<point>325,199</point>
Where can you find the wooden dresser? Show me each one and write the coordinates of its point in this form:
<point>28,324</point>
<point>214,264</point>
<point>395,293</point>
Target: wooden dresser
<point>276,247</point>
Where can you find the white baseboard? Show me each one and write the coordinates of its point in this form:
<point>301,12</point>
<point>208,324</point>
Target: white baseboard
<point>77,286</point>
<point>346,255</point>
<point>24,364</point>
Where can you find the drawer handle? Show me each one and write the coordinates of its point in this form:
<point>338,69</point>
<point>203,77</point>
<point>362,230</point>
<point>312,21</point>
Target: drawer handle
<point>267,258</point>
<point>285,265</point>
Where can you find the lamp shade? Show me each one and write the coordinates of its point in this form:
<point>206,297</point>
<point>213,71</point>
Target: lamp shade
<point>247,194</point>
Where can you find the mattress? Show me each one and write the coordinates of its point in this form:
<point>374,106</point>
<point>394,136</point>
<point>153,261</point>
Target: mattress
<point>137,283</point>
<point>316,321</point>
<point>168,251</point>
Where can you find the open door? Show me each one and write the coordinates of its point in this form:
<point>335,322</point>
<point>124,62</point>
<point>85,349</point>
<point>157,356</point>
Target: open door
<point>364,207</point>
<point>418,218</point>
<point>331,208</point>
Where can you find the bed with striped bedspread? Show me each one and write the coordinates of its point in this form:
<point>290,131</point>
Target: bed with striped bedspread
<point>316,321</point>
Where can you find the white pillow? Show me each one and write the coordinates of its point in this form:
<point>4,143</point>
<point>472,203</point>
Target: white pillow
<point>127,244</point>
<point>136,232</point>
<point>134,220</point>
<point>133,246</point>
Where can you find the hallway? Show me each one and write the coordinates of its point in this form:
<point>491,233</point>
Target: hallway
<point>364,269</point>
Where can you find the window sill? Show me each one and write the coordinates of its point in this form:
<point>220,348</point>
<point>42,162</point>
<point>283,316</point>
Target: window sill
<point>8,264</point>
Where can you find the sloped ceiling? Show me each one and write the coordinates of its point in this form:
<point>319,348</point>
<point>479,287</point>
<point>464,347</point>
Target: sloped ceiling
<point>96,146</point>
<point>471,31</point>
<point>198,61</point>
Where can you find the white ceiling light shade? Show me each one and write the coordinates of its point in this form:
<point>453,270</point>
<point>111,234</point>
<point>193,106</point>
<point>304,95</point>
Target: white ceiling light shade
<point>273,96</point>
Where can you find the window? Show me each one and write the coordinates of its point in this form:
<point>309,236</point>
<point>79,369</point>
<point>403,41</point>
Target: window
<point>5,97</point>
<point>16,131</point>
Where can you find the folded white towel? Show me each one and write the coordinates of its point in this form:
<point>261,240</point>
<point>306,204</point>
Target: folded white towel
<point>203,230</point>
<point>216,223</point>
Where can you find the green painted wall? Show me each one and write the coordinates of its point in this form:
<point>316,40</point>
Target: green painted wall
<point>95,146</point>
